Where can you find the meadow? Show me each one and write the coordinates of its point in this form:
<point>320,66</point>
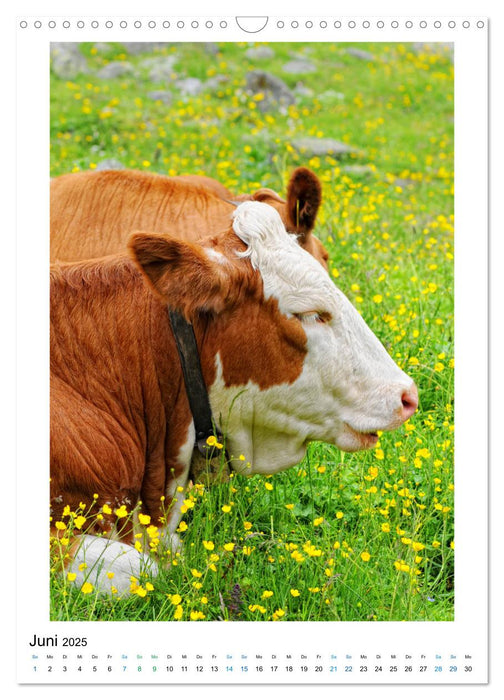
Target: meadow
<point>364,536</point>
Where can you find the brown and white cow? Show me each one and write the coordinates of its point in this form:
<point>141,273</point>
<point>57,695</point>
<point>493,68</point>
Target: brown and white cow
<point>93,213</point>
<point>286,357</point>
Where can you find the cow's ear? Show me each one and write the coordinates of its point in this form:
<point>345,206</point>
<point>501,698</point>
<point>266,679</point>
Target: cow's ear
<point>183,274</point>
<point>304,194</point>
<point>265,194</point>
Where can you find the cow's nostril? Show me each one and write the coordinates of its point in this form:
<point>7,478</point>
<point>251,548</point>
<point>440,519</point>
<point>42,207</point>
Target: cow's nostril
<point>409,402</point>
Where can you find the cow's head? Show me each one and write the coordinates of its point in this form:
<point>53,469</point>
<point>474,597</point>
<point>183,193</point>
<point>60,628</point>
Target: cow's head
<point>286,356</point>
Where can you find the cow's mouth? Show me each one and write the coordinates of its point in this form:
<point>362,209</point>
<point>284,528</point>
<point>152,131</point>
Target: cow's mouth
<point>360,440</point>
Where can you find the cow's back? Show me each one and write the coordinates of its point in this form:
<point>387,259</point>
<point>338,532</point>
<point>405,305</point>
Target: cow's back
<point>93,213</point>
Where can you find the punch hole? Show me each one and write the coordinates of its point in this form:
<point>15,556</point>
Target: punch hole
<point>195,24</point>
<point>123,24</point>
<point>394,24</point>
<point>95,24</point>
<point>323,24</point>
<point>380,24</point>
<point>366,24</point>
<point>352,24</point>
<point>452,24</point>
<point>423,24</point>
<point>408,24</point>
<point>251,25</point>
<point>223,24</point>
<point>137,24</point>
<point>480,24</point>
<point>51,24</point>
<point>166,24</point>
<point>466,24</point>
<point>309,24</point>
<point>209,24</point>
<point>80,24</point>
<point>37,24</point>
<point>180,24</point>
<point>337,24</point>
<point>151,24</point>
<point>438,24</point>
<point>66,24</point>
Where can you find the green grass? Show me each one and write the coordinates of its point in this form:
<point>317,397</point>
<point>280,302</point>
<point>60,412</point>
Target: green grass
<point>389,231</point>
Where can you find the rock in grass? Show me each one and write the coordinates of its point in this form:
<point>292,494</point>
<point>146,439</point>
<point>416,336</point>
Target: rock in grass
<point>137,47</point>
<point>258,53</point>
<point>302,90</point>
<point>102,47</point>
<point>160,68</point>
<point>274,89</point>
<point>114,69</point>
<point>312,146</point>
<point>446,48</point>
<point>67,61</point>
<point>110,164</point>
<point>189,87</point>
<point>299,66</point>
<point>360,53</point>
<point>216,82</point>
<point>211,47</point>
<point>162,95</point>
<point>359,170</point>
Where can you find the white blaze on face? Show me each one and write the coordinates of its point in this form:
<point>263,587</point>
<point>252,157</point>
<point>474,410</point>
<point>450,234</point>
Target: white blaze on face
<point>349,387</point>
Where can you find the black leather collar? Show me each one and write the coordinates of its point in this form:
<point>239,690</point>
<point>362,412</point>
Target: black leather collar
<point>197,393</point>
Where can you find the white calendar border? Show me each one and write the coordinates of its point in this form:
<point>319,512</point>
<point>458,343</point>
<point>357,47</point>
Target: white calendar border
<point>469,301</point>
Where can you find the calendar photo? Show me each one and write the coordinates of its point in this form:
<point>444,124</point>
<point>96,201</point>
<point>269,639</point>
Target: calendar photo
<point>337,502</point>
<point>257,379</point>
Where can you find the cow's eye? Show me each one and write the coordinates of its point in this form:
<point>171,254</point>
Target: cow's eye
<point>314,317</point>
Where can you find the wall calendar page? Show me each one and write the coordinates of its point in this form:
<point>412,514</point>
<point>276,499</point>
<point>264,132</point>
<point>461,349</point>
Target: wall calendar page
<point>257,359</point>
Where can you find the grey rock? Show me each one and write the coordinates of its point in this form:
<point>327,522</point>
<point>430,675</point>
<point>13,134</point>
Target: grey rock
<point>216,82</point>
<point>330,95</point>
<point>446,48</point>
<point>190,87</point>
<point>102,47</point>
<point>303,91</point>
<point>403,182</point>
<point>160,68</point>
<point>358,170</point>
<point>274,89</point>
<point>299,66</point>
<point>257,53</point>
<point>137,47</point>
<point>110,164</point>
<point>163,95</point>
<point>360,53</point>
<point>211,47</point>
<point>322,147</point>
<point>114,69</point>
<point>67,61</point>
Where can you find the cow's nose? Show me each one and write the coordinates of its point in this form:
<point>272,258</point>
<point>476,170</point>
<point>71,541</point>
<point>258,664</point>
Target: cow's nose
<point>409,402</point>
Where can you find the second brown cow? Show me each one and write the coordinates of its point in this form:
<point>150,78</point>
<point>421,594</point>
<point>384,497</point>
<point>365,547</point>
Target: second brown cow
<point>93,213</point>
